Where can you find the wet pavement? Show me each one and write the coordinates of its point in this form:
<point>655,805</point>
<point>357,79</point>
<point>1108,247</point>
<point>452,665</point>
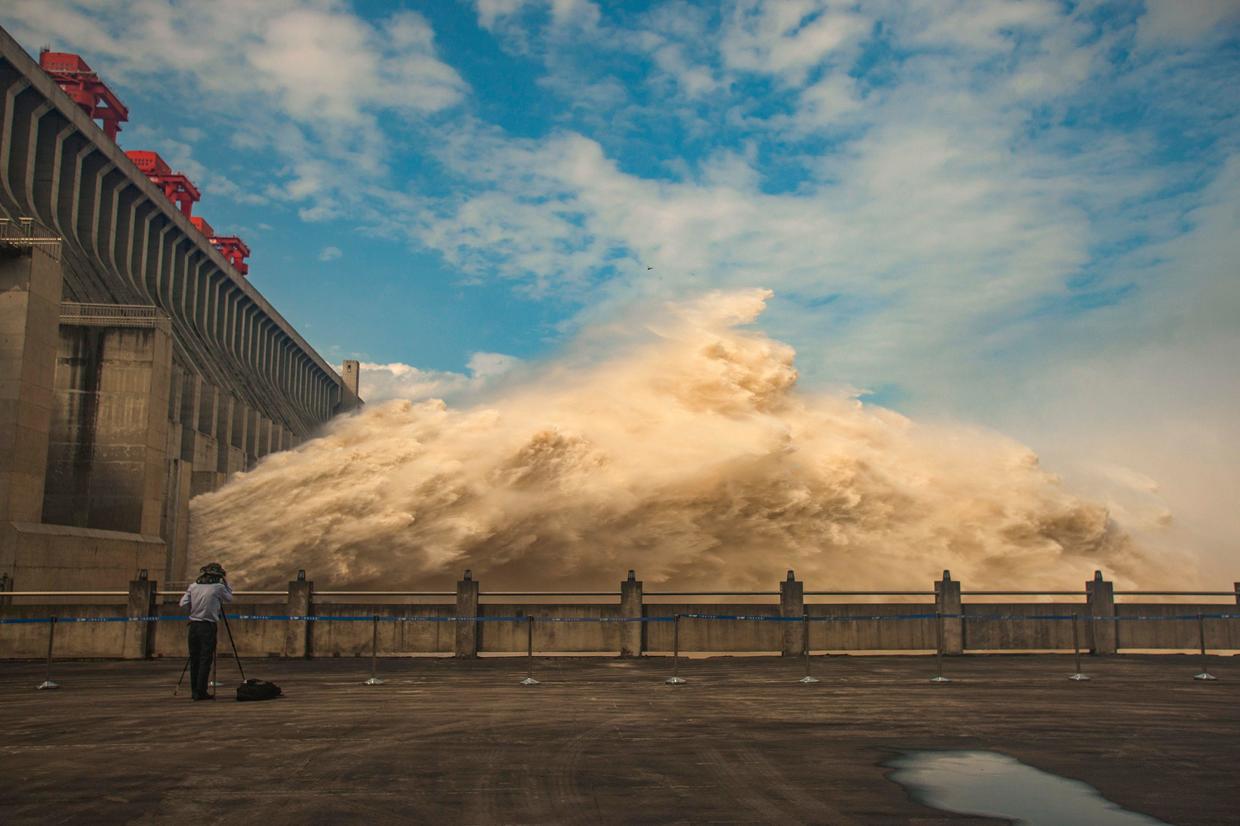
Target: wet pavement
<point>603,740</point>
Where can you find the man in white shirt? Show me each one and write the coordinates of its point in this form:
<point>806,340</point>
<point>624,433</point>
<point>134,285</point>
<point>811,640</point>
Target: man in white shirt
<point>205,599</point>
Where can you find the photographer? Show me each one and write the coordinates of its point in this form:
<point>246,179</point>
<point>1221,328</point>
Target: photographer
<point>204,598</point>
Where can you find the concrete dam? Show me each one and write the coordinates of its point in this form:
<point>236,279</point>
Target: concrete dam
<point>139,366</point>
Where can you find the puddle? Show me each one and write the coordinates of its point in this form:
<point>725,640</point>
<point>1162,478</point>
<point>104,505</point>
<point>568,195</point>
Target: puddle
<point>993,784</point>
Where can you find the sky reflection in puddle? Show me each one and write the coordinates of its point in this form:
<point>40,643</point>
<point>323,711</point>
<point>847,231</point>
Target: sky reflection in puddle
<point>996,785</point>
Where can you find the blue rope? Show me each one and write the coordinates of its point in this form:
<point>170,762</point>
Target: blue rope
<point>665,618</point>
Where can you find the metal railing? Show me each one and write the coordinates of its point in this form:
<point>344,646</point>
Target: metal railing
<point>1176,593</point>
<point>107,315</point>
<point>801,649</point>
<point>401,593</point>
<point>21,233</point>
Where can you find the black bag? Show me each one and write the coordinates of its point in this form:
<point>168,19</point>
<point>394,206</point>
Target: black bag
<point>257,690</point>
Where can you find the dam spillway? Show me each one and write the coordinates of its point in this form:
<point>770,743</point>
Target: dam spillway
<point>140,368</point>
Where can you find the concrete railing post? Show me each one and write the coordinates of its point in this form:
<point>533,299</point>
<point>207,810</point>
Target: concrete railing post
<point>467,606</point>
<point>792,606</point>
<point>947,605</point>
<point>631,633</point>
<point>140,636</point>
<point>1100,599</point>
<point>298,635</point>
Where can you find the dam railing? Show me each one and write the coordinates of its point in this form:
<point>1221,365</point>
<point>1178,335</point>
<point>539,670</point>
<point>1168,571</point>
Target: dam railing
<point>145,621</point>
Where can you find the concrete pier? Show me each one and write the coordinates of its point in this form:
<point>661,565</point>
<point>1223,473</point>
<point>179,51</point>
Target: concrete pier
<point>792,606</point>
<point>631,633</point>
<point>30,288</point>
<point>1100,596</point>
<point>140,636</point>
<point>297,637</point>
<point>466,606</point>
<point>947,605</point>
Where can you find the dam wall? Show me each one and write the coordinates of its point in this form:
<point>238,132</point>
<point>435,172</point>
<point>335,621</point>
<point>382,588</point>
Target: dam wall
<point>138,366</point>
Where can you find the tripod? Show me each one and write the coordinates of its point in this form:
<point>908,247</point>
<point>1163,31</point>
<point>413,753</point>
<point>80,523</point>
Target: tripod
<point>181,679</point>
<point>236,658</point>
<point>233,643</point>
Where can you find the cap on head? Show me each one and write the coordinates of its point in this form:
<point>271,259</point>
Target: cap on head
<point>214,569</point>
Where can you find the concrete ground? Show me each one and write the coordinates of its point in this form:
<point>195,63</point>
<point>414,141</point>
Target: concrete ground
<point>603,740</point>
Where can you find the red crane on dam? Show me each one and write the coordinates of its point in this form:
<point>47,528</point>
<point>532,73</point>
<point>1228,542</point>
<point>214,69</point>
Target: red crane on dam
<point>80,82</point>
<point>230,246</point>
<point>235,250</point>
<point>178,188</point>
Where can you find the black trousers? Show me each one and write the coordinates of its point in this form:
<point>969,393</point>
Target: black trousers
<point>201,652</point>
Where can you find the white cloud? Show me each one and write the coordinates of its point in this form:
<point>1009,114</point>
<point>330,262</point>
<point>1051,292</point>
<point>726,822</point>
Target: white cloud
<point>490,365</point>
<point>1180,22</point>
<point>492,14</point>
<point>788,38</point>
<point>828,101</point>
<point>311,81</point>
<point>982,25</point>
<point>330,253</point>
<point>382,382</point>
<point>318,62</point>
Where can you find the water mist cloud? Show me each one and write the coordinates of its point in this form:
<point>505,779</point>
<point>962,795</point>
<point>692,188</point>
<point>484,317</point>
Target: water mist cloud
<point>689,455</point>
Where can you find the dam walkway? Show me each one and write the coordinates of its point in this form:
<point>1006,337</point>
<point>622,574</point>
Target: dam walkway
<point>605,740</point>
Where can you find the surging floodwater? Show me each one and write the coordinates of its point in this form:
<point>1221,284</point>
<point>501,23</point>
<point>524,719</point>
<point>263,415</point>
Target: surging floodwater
<point>995,785</point>
<point>687,453</point>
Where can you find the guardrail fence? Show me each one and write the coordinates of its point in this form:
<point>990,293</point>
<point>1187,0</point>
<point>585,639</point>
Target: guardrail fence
<point>467,622</point>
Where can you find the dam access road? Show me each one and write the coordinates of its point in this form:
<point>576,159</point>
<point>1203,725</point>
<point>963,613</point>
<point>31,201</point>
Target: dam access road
<point>603,740</point>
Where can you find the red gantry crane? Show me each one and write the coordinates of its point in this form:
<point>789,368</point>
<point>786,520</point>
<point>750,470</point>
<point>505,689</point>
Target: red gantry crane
<point>178,188</point>
<point>230,246</point>
<point>81,83</point>
<point>235,250</point>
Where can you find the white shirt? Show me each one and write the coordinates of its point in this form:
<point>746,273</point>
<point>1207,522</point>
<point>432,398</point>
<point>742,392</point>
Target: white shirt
<point>204,600</point>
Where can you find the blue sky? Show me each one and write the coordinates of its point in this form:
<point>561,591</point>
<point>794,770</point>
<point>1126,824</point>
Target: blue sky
<point>1019,214</point>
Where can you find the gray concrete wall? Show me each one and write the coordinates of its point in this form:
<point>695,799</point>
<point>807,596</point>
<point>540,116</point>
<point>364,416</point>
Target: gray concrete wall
<point>63,557</point>
<point>73,639</point>
<point>1174,634</point>
<point>867,635</point>
<point>30,285</point>
<point>346,639</point>
<point>259,638</point>
<point>106,463</point>
<point>700,635</point>
<point>444,627</point>
<point>997,635</point>
<point>554,637</point>
<point>140,418</point>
